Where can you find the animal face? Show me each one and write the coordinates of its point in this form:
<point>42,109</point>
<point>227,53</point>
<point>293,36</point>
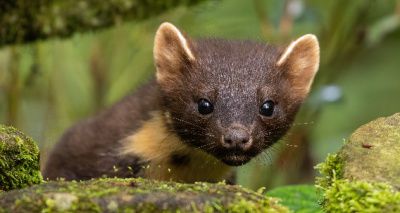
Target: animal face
<point>232,99</point>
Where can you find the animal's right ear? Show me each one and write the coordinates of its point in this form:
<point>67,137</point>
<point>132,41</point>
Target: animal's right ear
<point>172,51</point>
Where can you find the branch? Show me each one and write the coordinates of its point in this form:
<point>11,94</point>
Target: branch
<point>24,21</point>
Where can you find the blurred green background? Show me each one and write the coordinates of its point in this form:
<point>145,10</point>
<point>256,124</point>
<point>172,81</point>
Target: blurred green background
<point>47,86</point>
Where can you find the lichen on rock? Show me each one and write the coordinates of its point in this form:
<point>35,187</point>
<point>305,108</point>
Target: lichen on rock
<point>364,176</point>
<point>136,195</point>
<point>19,160</point>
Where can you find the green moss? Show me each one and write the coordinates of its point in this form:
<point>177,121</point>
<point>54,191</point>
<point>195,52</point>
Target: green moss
<point>19,160</point>
<point>364,176</point>
<point>330,170</point>
<point>343,195</point>
<point>243,205</point>
<point>361,196</point>
<point>137,195</point>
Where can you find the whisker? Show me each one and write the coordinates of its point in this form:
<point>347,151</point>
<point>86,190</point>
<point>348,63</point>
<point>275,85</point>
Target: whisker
<point>206,132</point>
<point>264,158</point>
<point>192,132</point>
<point>187,122</point>
<point>276,147</point>
<point>269,131</point>
<point>205,145</point>
<point>268,154</point>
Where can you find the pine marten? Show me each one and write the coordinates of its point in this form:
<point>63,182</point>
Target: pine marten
<point>214,104</point>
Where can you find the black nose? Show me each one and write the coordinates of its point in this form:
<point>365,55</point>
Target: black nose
<point>236,138</point>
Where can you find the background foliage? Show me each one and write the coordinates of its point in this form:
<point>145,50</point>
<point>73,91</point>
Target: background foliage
<point>46,86</point>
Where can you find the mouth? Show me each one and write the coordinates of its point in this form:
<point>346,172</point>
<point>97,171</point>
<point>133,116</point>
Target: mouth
<point>235,159</point>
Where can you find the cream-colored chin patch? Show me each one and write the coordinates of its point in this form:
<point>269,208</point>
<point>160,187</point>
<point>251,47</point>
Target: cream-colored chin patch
<point>153,142</point>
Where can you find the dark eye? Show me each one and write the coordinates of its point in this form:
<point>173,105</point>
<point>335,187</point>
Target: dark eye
<point>267,108</point>
<point>204,107</point>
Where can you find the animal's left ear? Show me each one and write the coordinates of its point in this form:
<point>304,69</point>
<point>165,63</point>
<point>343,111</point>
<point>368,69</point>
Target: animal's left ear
<point>300,62</point>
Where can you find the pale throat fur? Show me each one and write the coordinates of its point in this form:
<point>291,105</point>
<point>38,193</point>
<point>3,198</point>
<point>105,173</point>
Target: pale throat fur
<point>168,157</point>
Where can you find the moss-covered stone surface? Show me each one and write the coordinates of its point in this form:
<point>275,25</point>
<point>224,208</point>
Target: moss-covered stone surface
<point>373,152</point>
<point>19,160</point>
<point>136,195</point>
<point>364,176</point>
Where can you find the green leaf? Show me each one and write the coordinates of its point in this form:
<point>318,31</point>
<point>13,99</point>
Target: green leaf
<point>299,198</point>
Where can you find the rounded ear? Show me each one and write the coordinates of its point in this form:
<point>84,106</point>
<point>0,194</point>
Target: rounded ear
<point>300,61</point>
<point>171,51</point>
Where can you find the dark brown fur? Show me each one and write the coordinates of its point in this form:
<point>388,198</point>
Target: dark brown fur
<point>90,148</point>
<point>236,76</point>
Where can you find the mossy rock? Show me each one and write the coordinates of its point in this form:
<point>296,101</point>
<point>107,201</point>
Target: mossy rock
<point>136,195</point>
<point>373,152</point>
<point>19,160</point>
<point>364,176</point>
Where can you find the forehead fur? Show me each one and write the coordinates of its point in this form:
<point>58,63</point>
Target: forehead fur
<point>224,61</point>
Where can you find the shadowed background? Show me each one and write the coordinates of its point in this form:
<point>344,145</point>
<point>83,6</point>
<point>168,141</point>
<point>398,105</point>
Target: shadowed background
<point>77,69</point>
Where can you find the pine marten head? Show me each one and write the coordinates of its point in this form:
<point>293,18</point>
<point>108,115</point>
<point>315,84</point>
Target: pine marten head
<point>232,99</point>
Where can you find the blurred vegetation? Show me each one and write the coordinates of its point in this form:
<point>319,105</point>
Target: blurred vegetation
<point>46,86</point>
